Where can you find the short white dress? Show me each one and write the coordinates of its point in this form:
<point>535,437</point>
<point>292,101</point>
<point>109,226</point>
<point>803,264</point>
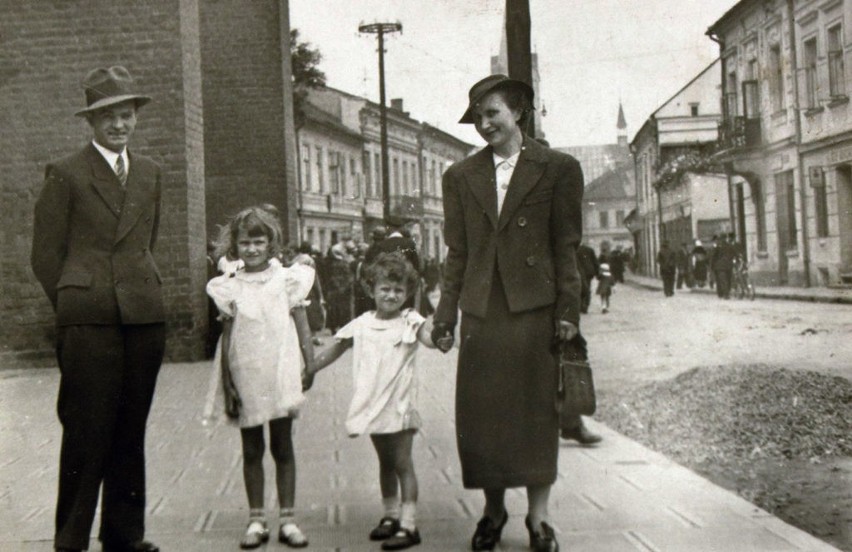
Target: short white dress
<point>265,359</point>
<point>384,373</point>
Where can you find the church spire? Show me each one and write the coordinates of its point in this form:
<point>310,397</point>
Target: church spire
<point>622,126</point>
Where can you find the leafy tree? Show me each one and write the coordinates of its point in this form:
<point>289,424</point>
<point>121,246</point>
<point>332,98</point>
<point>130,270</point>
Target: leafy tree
<point>305,61</point>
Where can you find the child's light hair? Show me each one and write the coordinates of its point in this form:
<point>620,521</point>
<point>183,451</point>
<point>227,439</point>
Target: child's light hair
<point>393,267</point>
<point>256,221</point>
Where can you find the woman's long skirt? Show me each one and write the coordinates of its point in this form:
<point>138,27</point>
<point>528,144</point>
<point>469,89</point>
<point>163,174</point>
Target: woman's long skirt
<point>507,428</point>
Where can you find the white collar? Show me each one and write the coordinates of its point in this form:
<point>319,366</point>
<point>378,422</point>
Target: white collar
<point>510,161</point>
<point>112,156</point>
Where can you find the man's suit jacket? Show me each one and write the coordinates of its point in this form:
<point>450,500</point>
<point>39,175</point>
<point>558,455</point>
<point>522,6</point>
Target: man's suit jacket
<point>532,243</point>
<point>92,241</point>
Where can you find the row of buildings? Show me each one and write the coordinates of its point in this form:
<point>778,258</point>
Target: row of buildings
<point>340,174</point>
<point>760,145</point>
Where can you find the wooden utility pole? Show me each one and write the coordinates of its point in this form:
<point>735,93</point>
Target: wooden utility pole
<point>380,29</point>
<point>518,47</point>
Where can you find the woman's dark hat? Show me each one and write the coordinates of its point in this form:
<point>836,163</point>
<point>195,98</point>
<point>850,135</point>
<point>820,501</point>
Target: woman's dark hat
<point>108,87</point>
<point>490,84</point>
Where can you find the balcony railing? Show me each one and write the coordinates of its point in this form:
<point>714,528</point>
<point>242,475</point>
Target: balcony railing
<point>739,132</point>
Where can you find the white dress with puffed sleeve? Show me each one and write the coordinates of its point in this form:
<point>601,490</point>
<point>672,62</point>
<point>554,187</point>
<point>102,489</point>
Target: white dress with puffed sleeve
<point>265,359</point>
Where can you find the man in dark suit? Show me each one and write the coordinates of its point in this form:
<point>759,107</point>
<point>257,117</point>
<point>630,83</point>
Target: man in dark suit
<point>723,266</point>
<point>95,226</point>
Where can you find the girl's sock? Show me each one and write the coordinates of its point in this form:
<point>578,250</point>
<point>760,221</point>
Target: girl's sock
<point>286,515</point>
<point>257,514</point>
<point>409,513</point>
<point>391,507</point>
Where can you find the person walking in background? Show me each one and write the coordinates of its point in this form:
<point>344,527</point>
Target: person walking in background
<point>384,403</point>
<point>682,260</point>
<point>711,256</point>
<point>699,264</point>
<point>668,266</point>
<point>95,227</point>
<point>520,201</point>
<point>587,264</point>
<point>723,267</point>
<point>616,265</point>
<point>605,285</point>
<point>265,342</point>
<point>338,286</point>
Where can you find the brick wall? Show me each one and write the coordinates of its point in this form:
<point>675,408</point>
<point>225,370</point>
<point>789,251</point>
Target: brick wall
<point>244,109</point>
<point>47,48</point>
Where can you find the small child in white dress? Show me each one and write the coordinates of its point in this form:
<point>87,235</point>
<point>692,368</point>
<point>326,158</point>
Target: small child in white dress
<point>264,337</point>
<point>384,402</point>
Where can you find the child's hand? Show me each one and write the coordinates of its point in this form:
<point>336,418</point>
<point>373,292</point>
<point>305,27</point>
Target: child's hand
<point>446,343</point>
<point>307,379</point>
<point>232,400</point>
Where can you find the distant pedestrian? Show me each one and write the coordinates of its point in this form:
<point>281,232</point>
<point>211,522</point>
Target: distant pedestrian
<point>682,259</point>
<point>384,403</point>
<point>95,227</point>
<point>723,266</point>
<point>699,264</point>
<point>605,284</point>
<point>668,267</point>
<point>337,286</point>
<point>711,255</point>
<point>265,342</point>
<point>587,264</point>
<point>616,265</point>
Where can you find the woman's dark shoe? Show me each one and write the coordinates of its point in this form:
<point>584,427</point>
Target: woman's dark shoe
<point>581,434</point>
<point>404,538</point>
<point>543,540</point>
<point>488,533</point>
<point>386,528</point>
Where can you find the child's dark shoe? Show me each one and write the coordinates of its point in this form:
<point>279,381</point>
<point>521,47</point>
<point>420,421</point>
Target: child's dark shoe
<point>386,528</point>
<point>404,538</point>
<point>292,536</point>
<point>256,534</point>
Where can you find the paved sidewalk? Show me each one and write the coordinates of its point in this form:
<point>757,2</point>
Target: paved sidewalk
<point>616,497</point>
<point>812,294</point>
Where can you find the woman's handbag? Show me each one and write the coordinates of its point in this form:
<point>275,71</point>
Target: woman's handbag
<point>575,392</point>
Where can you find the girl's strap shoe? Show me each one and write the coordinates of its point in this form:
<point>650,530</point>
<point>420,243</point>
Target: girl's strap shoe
<point>256,534</point>
<point>404,538</point>
<point>292,536</point>
<point>386,528</point>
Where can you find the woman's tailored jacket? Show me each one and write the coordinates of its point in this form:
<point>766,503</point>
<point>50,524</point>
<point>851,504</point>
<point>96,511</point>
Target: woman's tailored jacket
<point>532,243</point>
<point>92,241</point>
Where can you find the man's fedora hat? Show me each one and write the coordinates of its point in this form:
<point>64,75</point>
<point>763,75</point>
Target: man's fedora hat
<point>108,87</point>
<point>490,84</point>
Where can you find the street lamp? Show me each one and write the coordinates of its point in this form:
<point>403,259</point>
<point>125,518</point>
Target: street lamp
<point>380,29</point>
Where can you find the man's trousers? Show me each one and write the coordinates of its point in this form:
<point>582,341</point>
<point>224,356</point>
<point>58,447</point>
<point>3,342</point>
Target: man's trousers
<point>105,393</point>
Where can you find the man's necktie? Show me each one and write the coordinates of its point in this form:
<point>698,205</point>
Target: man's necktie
<point>120,171</point>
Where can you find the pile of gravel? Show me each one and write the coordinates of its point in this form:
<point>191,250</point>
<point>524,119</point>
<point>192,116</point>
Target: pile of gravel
<point>710,414</point>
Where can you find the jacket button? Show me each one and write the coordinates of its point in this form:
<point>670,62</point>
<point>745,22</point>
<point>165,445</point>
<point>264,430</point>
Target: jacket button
<point>531,260</point>
<point>522,221</point>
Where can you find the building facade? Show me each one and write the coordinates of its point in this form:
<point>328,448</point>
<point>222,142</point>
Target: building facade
<point>220,128</point>
<point>787,136</point>
<point>672,147</point>
<point>340,164</point>
<point>606,202</point>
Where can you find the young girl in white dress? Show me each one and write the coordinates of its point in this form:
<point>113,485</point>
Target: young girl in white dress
<point>384,403</point>
<point>264,346</point>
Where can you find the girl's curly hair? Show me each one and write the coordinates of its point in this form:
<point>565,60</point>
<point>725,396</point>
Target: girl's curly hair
<point>392,266</point>
<point>256,221</point>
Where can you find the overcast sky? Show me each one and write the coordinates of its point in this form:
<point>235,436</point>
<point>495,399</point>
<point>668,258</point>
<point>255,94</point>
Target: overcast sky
<point>591,54</point>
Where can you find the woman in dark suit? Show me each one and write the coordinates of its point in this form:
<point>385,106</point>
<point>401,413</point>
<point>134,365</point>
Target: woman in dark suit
<point>512,225</point>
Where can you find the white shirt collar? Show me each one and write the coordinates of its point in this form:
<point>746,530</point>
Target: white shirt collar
<point>510,161</point>
<point>112,156</point>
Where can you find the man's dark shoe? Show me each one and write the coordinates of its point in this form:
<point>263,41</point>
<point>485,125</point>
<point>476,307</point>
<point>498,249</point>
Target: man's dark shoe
<point>581,434</point>
<point>488,533</point>
<point>138,546</point>
<point>543,540</point>
<point>386,528</point>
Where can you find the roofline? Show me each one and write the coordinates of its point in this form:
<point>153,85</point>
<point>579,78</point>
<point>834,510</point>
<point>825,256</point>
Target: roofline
<point>711,30</point>
<point>445,134</point>
<point>673,96</point>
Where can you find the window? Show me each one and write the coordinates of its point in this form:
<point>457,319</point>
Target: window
<point>603,219</point>
<point>306,166</point>
<point>810,55</point>
<point>693,110</point>
<point>731,107</point>
<point>776,79</point>
<point>320,173</point>
<point>435,177</point>
<point>405,187</point>
<point>791,210</point>
<point>379,189</point>
<point>836,74</point>
<point>353,180</point>
<point>333,171</point>
<point>785,189</point>
<point>396,177</point>
<point>368,174</point>
<point>820,201</point>
<point>619,218</point>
